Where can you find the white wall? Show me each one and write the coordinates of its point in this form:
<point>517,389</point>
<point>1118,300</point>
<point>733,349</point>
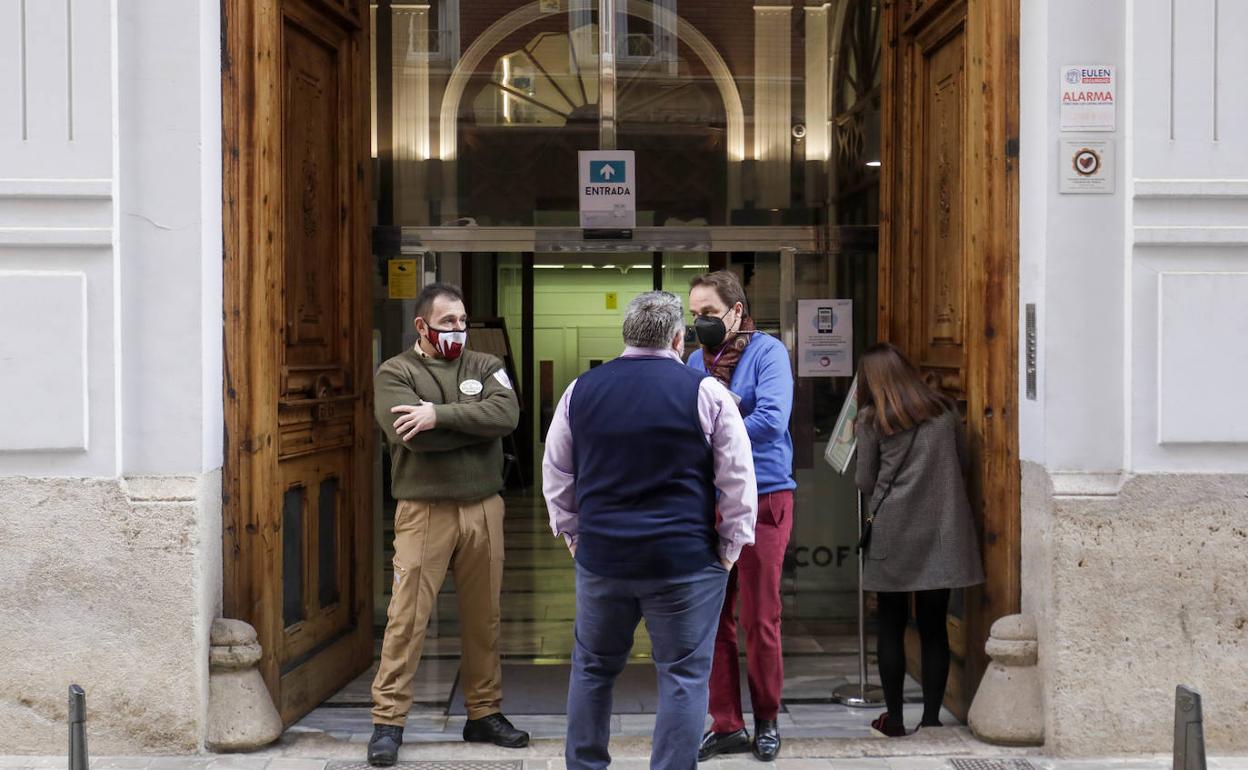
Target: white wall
<point>170,212</point>
<point>59,330</point>
<point>110,367</point>
<point>1131,448</point>
<point>1071,250</point>
<point>110,239</point>
<point>1141,294</point>
<point>1189,259</point>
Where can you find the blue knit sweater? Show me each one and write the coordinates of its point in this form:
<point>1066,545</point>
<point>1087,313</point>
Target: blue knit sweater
<point>764,381</point>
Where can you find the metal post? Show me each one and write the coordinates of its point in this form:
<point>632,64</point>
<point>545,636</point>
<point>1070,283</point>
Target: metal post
<point>77,728</point>
<point>860,695</point>
<point>1189,730</point>
<point>606,74</point>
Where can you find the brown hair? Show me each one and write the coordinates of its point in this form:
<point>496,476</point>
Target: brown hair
<point>892,394</point>
<point>432,293</point>
<point>726,285</point>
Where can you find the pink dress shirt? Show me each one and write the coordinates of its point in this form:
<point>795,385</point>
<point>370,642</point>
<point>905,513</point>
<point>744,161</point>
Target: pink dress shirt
<point>725,431</point>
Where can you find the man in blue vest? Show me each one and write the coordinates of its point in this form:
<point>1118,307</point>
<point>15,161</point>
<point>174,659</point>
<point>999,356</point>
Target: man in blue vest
<point>635,456</point>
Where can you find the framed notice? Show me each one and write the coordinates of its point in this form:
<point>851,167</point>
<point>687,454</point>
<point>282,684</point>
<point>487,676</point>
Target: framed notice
<point>841,446</point>
<point>825,338</point>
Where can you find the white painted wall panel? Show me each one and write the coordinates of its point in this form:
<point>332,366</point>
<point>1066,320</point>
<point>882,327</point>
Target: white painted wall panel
<point>170,231</point>
<point>58,219</point>
<point>56,90</point>
<point>43,361</point>
<point>1083,316</point>
<point>1188,68</point>
<point>1203,357</point>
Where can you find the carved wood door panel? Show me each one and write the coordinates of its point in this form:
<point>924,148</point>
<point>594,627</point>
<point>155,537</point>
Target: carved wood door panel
<point>948,282</point>
<point>298,494</point>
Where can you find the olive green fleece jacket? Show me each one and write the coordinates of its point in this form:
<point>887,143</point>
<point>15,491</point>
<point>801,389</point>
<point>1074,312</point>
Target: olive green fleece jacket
<point>461,459</point>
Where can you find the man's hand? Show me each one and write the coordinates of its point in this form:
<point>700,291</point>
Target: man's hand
<point>728,565</point>
<point>414,420</point>
<point>572,548</point>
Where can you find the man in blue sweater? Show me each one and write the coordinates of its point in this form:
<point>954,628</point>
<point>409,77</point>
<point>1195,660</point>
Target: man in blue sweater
<point>635,454</point>
<point>755,367</point>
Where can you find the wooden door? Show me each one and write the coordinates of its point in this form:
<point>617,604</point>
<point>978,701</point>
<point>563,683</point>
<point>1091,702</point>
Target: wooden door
<point>948,263</point>
<point>299,428</point>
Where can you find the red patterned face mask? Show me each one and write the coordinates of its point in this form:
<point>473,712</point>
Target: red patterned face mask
<point>448,342</point>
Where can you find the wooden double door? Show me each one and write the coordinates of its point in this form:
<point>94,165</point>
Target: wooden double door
<point>948,264</point>
<point>298,293</point>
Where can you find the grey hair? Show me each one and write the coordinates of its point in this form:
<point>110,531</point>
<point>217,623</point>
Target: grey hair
<point>653,320</point>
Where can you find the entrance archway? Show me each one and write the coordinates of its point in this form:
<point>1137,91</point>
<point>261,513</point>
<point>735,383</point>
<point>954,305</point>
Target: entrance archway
<point>448,114</point>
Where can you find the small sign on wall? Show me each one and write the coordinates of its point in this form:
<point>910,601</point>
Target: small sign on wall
<point>404,279</point>
<point>1089,97</point>
<point>1086,166</point>
<point>613,300</point>
<point>825,338</point>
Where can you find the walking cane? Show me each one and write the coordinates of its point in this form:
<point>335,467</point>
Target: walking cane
<point>860,695</point>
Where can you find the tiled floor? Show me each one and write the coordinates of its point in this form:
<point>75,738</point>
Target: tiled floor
<point>538,609</point>
<point>282,759</point>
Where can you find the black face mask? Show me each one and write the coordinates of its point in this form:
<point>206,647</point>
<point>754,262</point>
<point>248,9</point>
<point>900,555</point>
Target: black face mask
<point>711,331</point>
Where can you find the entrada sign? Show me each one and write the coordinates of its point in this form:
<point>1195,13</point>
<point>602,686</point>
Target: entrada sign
<point>608,189</point>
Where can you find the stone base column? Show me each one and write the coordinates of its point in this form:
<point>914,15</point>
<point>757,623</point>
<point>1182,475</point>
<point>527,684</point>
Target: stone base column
<point>241,715</point>
<point>1008,708</point>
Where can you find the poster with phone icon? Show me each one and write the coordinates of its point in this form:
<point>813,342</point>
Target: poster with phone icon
<point>825,338</point>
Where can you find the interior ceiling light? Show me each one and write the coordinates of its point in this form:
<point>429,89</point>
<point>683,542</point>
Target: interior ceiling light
<point>549,267</point>
<point>873,163</point>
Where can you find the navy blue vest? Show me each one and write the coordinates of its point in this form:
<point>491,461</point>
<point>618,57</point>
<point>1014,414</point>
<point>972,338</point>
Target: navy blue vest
<point>645,474</point>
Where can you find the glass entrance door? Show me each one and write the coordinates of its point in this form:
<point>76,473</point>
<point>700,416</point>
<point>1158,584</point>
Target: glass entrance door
<point>558,314</point>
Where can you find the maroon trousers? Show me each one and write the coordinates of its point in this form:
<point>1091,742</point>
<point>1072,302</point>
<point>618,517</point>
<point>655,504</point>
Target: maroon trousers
<point>756,577</point>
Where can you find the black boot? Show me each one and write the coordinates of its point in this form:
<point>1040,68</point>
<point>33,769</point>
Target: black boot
<point>714,744</point>
<point>766,739</point>
<point>497,730</point>
<point>383,747</point>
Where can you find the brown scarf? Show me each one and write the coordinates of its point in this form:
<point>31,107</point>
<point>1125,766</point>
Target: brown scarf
<point>729,354</point>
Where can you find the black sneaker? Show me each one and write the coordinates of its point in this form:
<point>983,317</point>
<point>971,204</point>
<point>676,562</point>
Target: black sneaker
<point>495,729</point>
<point>383,747</point>
<point>714,744</point>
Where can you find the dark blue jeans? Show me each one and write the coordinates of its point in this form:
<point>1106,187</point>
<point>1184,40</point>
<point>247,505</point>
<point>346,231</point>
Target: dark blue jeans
<point>681,616</point>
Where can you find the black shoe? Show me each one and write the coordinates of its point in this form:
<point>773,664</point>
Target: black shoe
<point>714,744</point>
<point>383,747</point>
<point>497,730</point>
<point>766,739</point>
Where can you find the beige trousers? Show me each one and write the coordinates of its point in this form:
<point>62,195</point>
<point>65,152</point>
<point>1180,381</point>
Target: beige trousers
<point>429,539</point>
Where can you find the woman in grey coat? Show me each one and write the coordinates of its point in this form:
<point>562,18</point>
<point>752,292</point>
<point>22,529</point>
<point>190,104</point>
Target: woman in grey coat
<point>912,461</point>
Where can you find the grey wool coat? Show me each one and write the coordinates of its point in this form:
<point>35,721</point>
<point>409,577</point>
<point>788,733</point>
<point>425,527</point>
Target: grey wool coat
<point>924,536</point>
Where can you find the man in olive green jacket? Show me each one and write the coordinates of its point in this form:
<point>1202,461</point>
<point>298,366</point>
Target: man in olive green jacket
<point>444,410</point>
